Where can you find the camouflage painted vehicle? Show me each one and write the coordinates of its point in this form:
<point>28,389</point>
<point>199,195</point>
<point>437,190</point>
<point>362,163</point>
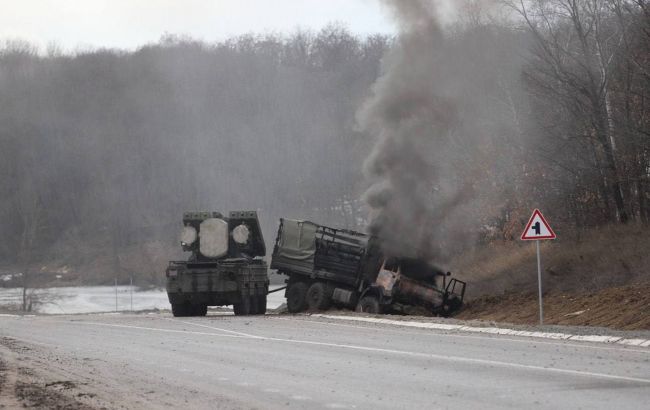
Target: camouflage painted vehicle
<point>224,268</point>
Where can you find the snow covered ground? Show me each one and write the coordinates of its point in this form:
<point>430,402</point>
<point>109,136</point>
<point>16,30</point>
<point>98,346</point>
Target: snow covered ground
<point>91,299</point>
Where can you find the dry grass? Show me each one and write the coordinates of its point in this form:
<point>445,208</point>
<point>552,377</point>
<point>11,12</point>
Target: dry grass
<point>619,307</point>
<point>601,278</point>
<point>601,258</point>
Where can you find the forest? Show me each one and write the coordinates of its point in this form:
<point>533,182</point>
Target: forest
<point>102,150</point>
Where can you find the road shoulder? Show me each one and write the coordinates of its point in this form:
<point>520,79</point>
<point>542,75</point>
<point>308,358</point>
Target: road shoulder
<point>22,385</point>
<point>636,339</point>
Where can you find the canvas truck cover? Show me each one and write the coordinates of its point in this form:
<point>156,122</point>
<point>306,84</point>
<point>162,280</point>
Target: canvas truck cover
<point>297,240</point>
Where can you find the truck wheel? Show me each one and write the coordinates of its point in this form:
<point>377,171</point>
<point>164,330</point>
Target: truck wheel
<point>255,305</point>
<point>319,297</point>
<point>180,309</point>
<point>450,307</point>
<point>200,310</point>
<point>261,304</point>
<point>369,304</point>
<point>297,297</point>
<point>242,308</point>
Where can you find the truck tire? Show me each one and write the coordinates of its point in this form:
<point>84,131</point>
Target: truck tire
<point>451,306</point>
<point>261,304</point>
<point>369,304</point>
<point>297,297</point>
<point>319,296</point>
<point>199,310</point>
<point>242,308</point>
<point>180,309</point>
<point>255,304</point>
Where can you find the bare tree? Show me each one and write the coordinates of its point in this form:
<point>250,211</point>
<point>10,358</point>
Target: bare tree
<point>30,209</point>
<point>577,43</point>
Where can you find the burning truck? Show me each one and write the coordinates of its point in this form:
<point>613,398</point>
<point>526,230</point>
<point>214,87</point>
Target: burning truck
<point>327,266</point>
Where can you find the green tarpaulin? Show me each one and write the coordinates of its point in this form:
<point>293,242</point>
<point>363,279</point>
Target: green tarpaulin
<point>297,241</point>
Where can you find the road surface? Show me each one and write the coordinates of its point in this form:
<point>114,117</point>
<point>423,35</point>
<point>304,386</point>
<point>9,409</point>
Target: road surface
<point>273,362</point>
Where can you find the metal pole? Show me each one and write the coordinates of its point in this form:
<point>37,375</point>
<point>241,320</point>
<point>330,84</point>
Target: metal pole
<point>539,281</point>
<point>131,293</point>
<point>116,294</point>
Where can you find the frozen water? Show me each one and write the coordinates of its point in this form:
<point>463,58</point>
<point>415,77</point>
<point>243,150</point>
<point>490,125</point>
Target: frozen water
<point>92,299</point>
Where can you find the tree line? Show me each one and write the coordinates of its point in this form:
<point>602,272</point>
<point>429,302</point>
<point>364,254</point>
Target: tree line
<point>105,149</point>
<point>102,150</point>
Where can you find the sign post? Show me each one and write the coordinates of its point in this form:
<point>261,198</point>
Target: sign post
<point>539,285</point>
<point>131,293</point>
<point>537,229</point>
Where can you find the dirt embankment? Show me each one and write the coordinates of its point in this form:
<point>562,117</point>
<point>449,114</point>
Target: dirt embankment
<point>599,278</point>
<point>620,307</point>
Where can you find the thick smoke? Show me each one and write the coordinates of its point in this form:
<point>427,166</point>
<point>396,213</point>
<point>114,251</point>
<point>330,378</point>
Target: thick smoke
<point>412,116</point>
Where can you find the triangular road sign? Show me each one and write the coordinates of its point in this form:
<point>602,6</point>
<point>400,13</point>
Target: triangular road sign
<point>537,228</point>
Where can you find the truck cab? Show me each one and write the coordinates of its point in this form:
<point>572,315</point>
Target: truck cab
<point>432,289</point>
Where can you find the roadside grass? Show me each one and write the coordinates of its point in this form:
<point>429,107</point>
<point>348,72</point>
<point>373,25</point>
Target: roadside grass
<point>598,278</point>
<point>594,260</point>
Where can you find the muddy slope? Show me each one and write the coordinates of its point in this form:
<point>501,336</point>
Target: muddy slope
<point>622,307</point>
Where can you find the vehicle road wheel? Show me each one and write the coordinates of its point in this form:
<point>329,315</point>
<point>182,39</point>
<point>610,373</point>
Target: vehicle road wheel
<point>180,309</point>
<point>243,308</point>
<point>319,297</point>
<point>369,304</point>
<point>200,310</point>
<point>297,297</point>
<point>255,307</point>
<point>261,304</point>
<point>451,306</point>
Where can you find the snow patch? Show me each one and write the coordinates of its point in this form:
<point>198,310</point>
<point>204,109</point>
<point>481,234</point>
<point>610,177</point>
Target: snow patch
<point>494,330</point>
<point>102,299</point>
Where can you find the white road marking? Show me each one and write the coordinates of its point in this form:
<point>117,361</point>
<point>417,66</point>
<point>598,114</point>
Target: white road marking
<point>157,329</point>
<point>300,397</point>
<point>464,360</point>
<point>638,342</point>
<point>391,351</point>
<point>214,328</point>
<point>633,342</point>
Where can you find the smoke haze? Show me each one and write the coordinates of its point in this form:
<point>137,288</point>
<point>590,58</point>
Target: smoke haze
<point>430,115</point>
<point>101,152</point>
<point>464,126</point>
<point>411,118</point>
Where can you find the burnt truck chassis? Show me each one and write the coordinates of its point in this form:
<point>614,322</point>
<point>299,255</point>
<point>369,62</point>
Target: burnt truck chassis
<point>240,282</point>
<point>349,271</point>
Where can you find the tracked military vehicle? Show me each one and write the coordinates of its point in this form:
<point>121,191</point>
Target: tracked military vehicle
<point>328,266</point>
<point>224,267</point>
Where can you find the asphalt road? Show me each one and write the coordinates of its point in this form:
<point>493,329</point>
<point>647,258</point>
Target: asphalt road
<point>156,361</point>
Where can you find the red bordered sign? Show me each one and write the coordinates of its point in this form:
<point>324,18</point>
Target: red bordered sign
<point>537,228</point>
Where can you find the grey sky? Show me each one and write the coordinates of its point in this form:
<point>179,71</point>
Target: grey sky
<point>127,24</point>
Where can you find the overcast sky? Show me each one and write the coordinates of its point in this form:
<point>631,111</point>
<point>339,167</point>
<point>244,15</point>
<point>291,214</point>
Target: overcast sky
<point>74,24</point>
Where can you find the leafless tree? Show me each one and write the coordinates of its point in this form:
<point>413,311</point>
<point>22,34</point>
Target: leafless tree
<point>30,209</point>
<point>578,46</point>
